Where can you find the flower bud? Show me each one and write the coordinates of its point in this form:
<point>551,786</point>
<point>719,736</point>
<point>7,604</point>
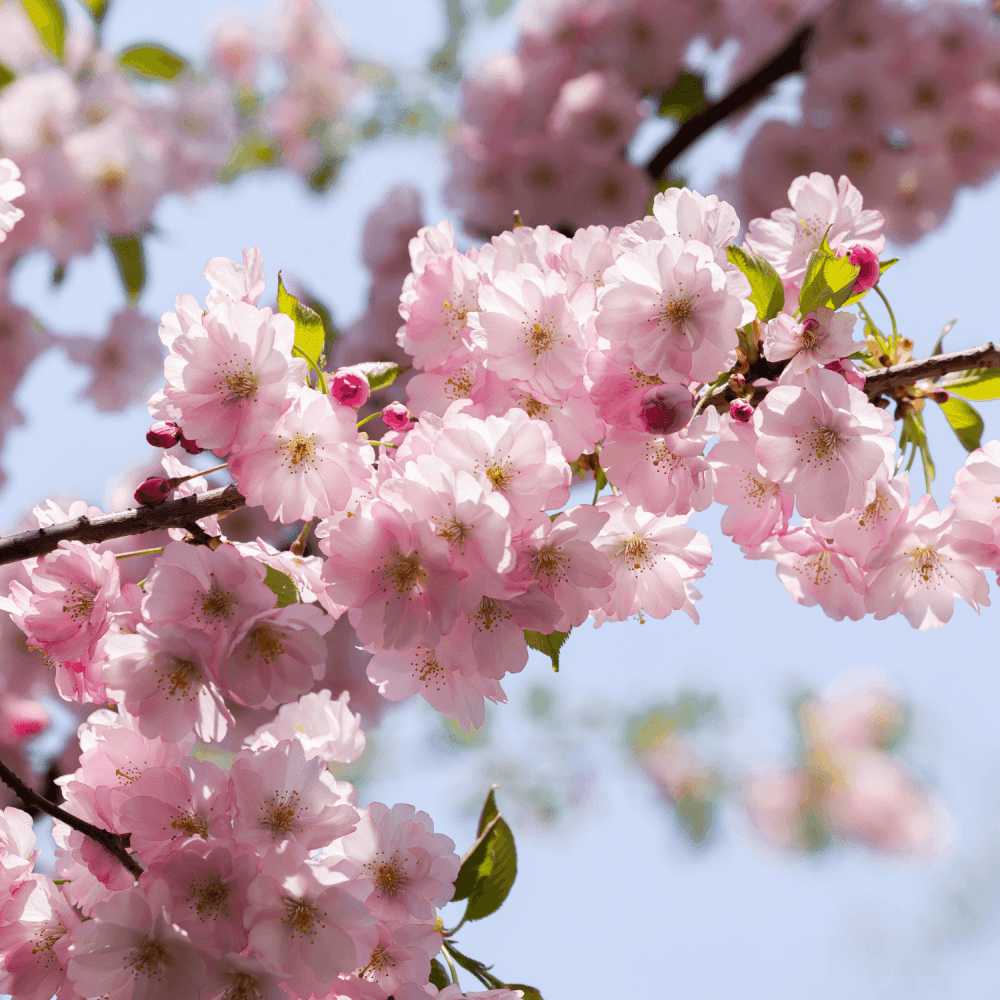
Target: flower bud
<point>939,395</point>
<point>21,719</point>
<point>737,382</point>
<point>153,491</point>
<point>189,446</point>
<point>867,260</point>
<point>665,408</point>
<point>164,434</point>
<point>350,387</point>
<point>396,417</point>
<point>741,410</point>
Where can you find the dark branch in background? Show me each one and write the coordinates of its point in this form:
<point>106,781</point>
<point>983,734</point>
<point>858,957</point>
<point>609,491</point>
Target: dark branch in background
<point>173,514</point>
<point>789,60</point>
<point>882,379</point>
<point>111,842</point>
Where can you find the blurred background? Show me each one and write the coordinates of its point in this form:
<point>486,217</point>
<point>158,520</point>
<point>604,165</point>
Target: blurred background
<point>767,804</point>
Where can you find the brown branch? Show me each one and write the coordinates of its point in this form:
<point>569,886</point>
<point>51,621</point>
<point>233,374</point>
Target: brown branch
<point>180,513</point>
<point>882,379</point>
<point>790,59</point>
<point>113,843</point>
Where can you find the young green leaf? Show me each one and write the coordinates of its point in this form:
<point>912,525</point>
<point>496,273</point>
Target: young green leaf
<point>152,62</point>
<point>251,152</point>
<point>548,644</point>
<point>6,76</point>
<point>490,867</point>
<point>380,373</point>
<point>766,290</point>
<point>981,386</point>
<point>438,976</point>
<point>283,587</point>
<point>130,259</point>
<point>965,421</point>
<point>309,332</point>
<point>97,9</point>
<point>49,20</point>
<point>685,98</point>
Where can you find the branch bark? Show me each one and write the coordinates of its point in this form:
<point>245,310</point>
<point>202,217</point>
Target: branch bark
<point>791,59</point>
<point>882,379</point>
<point>113,843</point>
<point>173,514</point>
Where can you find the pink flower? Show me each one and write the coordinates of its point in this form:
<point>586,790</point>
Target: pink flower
<point>410,868</point>
<point>232,282</point>
<point>928,560</point>
<point>10,188</point>
<point>280,800</point>
<point>822,440</point>
<point>867,259</point>
<point>17,846</point>
<point>228,379</point>
<point>402,955</point>
<point>822,337</point>
<point>307,464</point>
<point>324,726</point>
<point>977,486</point>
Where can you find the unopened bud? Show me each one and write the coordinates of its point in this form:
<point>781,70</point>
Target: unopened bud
<point>153,491</point>
<point>665,408</point>
<point>867,260</point>
<point>737,383</point>
<point>396,417</point>
<point>741,410</point>
<point>939,395</point>
<point>164,434</point>
<point>189,446</point>
<point>350,387</point>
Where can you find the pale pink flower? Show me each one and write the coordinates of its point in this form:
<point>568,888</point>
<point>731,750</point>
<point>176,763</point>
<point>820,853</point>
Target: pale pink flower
<point>617,389</point>
<point>308,925</point>
<point>821,439</point>
<point>928,560</point>
<point>856,713</point>
<point>131,949</point>
<point>308,463</point>
<point>35,932</point>
<point>651,559</point>
<point>275,656</point>
<point>232,282</point>
<point>574,423</point>
<point>818,206</point>
<point>533,328</point>
<point>859,531</point>
<point>17,846</point>
<point>667,308</point>
<point>10,188</point>
<point>410,868</point>
<point>228,379</point>
<point>325,727</point>
<point>280,799</point>
<point>977,487</point>
<point>756,508</point>
<point>822,337</point>
<point>402,954</point>
<point>233,977</point>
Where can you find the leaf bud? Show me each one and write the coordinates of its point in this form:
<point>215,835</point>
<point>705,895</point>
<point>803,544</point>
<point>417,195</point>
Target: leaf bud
<point>164,434</point>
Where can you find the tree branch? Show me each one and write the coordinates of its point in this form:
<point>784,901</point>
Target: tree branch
<point>882,379</point>
<point>789,60</point>
<point>113,843</point>
<point>172,514</point>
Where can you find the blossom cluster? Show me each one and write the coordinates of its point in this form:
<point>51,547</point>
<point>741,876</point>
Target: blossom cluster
<point>903,100</point>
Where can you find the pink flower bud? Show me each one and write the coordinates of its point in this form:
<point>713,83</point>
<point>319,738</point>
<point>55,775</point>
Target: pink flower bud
<point>939,395</point>
<point>21,719</point>
<point>849,370</point>
<point>737,382</point>
<point>396,417</point>
<point>153,491</point>
<point>189,446</point>
<point>741,410</point>
<point>350,387</point>
<point>164,434</point>
<point>867,260</point>
<point>665,408</point>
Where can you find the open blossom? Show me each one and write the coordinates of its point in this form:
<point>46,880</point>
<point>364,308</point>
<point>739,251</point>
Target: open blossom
<point>228,377</point>
<point>928,560</point>
<point>324,725</point>
<point>668,309</point>
<point>232,282</point>
<point>977,487</point>
<point>17,846</point>
<point>822,440</point>
<point>822,337</point>
<point>308,463</point>
<point>10,188</point>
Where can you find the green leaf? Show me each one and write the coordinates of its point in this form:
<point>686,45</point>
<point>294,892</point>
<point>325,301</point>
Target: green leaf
<point>766,290</point>
<point>884,265</point>
<point>283,587</point>
<point>380,373</point>
<point>490,867</point>
<point>696,816</point>
<point>324,175</point>
<point>152,62</point>
<point>49,20</point>
<point>685,98</point>
<point>982,386</point>
<point>6,76</point>
<point>965,421</point>
<point>530,993</point>
<point>914,436</point>
<point>828,281</point>
<point>97,9</point>
<point>944,333</point>
<point>309,332</point>
<point>252,152</point>
<point>130,259</point>
<point>438,976</point>
<point>548,644</point>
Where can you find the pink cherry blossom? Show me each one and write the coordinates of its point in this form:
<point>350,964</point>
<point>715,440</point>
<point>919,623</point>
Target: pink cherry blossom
<point>822,337</point>
<point>10,188</point>
<point>323,725</point>
<point>977,486</point>
<point>232,282</point>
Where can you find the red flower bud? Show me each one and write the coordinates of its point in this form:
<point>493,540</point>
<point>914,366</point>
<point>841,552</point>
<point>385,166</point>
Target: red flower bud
<point>153,491</point>
<point>665,408</point>
<point>867,260</point>
<point>189,446</point>
<point>164,434</point>
<point>396,417</point>
<point>939,395</point>
<point>741,410</point>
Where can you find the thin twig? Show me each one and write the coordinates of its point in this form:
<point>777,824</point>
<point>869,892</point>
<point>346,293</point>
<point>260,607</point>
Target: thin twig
<point>791,59</point>
<point>180,513</point>
<point>881,379</point>
<point>111,842</point>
